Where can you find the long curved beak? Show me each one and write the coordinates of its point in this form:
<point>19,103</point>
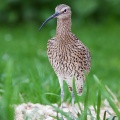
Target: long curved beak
<point>50,18</point>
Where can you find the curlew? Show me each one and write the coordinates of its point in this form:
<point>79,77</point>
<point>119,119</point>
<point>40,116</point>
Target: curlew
<point>69,57</point>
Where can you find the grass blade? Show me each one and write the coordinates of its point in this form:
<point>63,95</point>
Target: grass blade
<point>98,105</point>
<point>108,96</point>
<point>86,102</point>
<point>6,111</point>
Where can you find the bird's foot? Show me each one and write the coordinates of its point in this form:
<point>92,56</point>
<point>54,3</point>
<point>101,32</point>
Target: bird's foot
<point>73,119</point>
<point>61,118</point>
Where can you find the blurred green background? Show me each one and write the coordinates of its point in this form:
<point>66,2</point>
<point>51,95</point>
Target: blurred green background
<point>25,72</point>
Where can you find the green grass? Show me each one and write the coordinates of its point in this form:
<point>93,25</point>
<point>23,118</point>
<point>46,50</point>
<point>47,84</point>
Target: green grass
<point>26,74</point>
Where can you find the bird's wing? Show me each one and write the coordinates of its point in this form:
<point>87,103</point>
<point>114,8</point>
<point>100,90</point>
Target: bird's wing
<point>81,54</point>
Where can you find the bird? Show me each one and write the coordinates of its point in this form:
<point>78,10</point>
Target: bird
<point>68,56</point>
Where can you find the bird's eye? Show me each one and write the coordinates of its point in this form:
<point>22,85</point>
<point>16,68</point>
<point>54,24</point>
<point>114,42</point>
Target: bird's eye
<point>65,11</point>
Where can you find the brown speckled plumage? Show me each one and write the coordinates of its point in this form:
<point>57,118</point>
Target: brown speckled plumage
<point>69,57</point>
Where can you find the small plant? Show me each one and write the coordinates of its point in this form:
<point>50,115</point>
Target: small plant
<point>86,112</point>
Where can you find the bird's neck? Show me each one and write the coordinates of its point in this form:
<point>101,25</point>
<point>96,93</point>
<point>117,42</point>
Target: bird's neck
<point>63,27</point>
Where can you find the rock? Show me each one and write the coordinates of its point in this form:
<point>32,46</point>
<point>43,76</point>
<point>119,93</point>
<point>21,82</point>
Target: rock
<point>37,111</point>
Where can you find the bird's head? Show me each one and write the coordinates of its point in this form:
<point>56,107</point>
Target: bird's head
<point>62,11</point>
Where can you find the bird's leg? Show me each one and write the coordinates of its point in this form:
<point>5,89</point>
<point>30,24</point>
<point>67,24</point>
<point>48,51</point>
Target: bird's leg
<point>62,95</point>
<point>62,99</point>
<point>73,99</point>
